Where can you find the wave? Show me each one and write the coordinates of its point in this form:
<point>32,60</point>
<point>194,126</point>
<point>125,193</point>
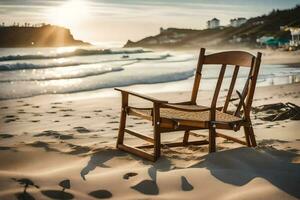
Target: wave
<point>77,52</point>
<point>22,66</point>
<point>91,83</point>
<point>82,74</point>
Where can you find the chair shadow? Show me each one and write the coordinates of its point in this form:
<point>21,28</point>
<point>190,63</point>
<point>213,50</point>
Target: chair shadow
<point>147,187</point>
<point>244,164</point>
<point>24,196</point>
<point>26,183</point>
<point>236,166</point>
<point>99,158</point>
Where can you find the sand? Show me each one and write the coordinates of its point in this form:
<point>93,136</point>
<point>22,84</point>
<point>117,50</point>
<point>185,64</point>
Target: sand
<point>52,138</point>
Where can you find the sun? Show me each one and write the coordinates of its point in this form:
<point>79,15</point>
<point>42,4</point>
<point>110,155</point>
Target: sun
<point>69,14</point>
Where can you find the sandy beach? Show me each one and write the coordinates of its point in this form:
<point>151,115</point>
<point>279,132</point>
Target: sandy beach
<point>48,139</point>
<point>63,64</point>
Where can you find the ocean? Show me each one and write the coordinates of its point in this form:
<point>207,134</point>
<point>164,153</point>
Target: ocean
<point>27,72</point>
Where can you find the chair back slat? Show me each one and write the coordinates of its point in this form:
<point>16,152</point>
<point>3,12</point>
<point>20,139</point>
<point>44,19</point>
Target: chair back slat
<point>240,58</point>
<point>237,59</point>
<point>198,76</point>
<point>218,86</point>
<point>231,87</point>
<point>252,84</point>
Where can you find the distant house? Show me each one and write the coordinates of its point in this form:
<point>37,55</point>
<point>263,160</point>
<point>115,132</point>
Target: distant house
<point>236,22</point>
<point>295,33</point>
<point>162,30</point>
<point>213,23</point>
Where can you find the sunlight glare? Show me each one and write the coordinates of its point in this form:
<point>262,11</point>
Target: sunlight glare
<point>69,14</point>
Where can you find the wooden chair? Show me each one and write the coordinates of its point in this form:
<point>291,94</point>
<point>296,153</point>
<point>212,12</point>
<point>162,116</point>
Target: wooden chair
<point>188,116</point>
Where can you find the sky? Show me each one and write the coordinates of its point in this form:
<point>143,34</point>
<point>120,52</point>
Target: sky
<point>101,21</point>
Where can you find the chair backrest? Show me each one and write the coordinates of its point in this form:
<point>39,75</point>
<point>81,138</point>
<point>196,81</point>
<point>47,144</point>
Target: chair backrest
<point>237,59</point>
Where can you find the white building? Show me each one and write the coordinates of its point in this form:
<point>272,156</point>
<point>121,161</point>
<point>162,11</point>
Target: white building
<point>214,23</point>
<point>295,32</point>
<point>236,22</point>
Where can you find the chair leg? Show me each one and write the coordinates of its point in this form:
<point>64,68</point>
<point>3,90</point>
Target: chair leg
<point>122,119</point>
<point>247,136</point>
<point>156,131</point>
<point>212,139</point>
<point>121,128</point>
<point>186,137</point>
<point>157,143</point>
<point>252,136</point>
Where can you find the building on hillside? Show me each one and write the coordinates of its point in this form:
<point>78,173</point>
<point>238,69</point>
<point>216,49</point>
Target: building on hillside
<point>162,30</point>
<point>213,23</point>
<point>295,33</point>
<point>236,22</point>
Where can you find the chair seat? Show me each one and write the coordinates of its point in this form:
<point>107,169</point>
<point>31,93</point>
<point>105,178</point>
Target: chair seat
<point>196,118</point>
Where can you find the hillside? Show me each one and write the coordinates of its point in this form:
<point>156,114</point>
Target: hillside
<point>43,36</point>
<point>245,35</point>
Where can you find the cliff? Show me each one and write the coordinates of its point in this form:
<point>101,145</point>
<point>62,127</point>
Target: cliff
<point>44,36</point>
<point>244,35</point>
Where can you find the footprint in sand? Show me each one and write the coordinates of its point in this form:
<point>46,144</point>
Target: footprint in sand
<point>4,135</point>
<point>60,194</point>
<point>21,111</point>
<point>66,115</point>
<point>86,117</point>
<point>185,185</point>
<point>51,133</point>
<point>101,194</point>
<point>35,106</point>
<point>51,112</point>
<point>81,129</point>
<point>56,103</point>
<point>9,120</point>
<point>97,111</point>
<point>44,145</point>
<point>113,122</point>
<point>4,107</point>
<point>129,175</point>
<point>66,110</point>
<point>35,121</point>
<point>76,149</point>
<point>10,116</point>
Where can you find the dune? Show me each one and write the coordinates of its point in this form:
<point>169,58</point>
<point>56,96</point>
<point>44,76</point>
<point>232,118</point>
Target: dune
<point>63,147</point>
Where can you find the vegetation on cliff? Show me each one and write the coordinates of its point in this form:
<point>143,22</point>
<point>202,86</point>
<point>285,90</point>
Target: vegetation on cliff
<point>244,35</point>
<point>42,36</point>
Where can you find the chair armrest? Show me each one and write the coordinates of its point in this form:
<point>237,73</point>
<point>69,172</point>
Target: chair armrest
<point>154,100</point>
